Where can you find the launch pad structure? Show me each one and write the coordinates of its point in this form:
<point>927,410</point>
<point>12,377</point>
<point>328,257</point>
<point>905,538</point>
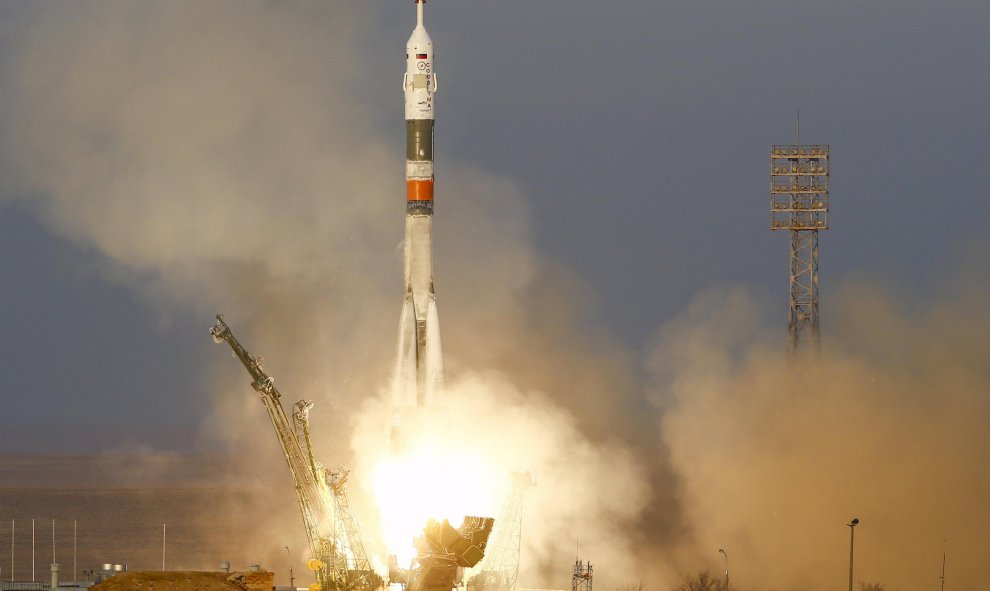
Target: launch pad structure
<point>500,569</point>
<point>339,561</point>
<point>799,202</point>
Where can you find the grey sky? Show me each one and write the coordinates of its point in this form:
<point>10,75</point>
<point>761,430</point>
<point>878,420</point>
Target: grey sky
<point>637,132</point>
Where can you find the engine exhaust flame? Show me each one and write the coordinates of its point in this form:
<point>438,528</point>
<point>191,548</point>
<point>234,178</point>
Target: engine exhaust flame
<point>435,476</point>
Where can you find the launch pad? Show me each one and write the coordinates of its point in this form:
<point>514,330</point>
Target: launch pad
<point>442,551</point>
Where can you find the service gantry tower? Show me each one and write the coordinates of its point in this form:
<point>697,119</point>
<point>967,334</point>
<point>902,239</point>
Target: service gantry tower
<point>799,203</point>
<point>500,570</point>
<point>339,560</point>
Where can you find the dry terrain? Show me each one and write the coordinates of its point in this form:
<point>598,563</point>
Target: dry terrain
<point>187,581</point>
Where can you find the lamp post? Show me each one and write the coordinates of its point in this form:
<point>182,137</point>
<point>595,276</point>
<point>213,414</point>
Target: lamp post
<point>852,535</point>
<point>292,579</point>
<point>726,568</point>
<point>942,578</point>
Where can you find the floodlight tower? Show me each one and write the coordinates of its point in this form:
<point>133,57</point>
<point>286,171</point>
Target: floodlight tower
<point>799,203</point>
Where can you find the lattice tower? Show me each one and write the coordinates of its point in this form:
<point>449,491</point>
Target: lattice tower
<point>500,570</point>
<point>583,576</point>
<point>347,531</point>
<point>348,561</point>
<point>799,202</point>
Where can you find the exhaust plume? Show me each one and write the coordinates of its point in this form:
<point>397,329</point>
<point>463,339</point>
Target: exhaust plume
<point>888,425</point>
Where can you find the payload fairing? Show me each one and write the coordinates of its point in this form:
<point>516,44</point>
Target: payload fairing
<point>419,371</point>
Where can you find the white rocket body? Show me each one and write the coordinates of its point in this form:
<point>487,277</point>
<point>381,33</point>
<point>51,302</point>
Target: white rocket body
<point>419,82</point>
<point>419,373</point>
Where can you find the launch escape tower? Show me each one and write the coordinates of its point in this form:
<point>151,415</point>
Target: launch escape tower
<point>583,576</point>
<point>799,203</point>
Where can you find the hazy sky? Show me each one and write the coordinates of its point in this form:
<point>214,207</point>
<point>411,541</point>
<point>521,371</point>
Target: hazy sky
<point>637,133</point>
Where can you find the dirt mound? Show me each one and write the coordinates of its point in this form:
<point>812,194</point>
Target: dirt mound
<point>186,581</point>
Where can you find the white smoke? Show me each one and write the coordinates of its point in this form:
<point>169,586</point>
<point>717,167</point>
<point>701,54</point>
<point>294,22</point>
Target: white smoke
<point>587,493</point>
<point>887,424</point>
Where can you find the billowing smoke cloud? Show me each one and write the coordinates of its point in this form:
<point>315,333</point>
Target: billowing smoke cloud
<point>220,159</point>
<point>227,156</point>
<point>586,493</point>
<point>889,425</point>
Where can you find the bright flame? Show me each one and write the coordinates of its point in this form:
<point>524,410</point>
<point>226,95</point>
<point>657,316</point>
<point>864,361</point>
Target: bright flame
<point>431,479</point>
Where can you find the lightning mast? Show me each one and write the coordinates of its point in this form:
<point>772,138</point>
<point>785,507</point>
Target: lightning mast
<point>799,202</point>
<point>339,559</point>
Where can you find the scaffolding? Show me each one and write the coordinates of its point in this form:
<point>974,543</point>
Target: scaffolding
<point>799,202</point>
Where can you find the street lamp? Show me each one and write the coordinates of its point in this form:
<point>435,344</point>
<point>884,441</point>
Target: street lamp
<point>852,534</point>
<point>292,579</point>
<point>726,568</point>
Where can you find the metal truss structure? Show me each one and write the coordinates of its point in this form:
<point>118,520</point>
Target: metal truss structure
<point>583,577</point>
<point>500,570</point>
<point>799,202</point>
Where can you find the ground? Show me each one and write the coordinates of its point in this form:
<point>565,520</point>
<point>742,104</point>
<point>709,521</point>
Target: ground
<point>186,581</point>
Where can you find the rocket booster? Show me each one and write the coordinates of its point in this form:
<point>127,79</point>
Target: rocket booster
<point>419,372</point>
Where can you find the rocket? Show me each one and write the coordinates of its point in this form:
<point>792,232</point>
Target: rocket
<point>419,369</point>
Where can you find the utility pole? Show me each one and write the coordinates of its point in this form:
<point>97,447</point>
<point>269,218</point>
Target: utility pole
<point>163,547</point>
